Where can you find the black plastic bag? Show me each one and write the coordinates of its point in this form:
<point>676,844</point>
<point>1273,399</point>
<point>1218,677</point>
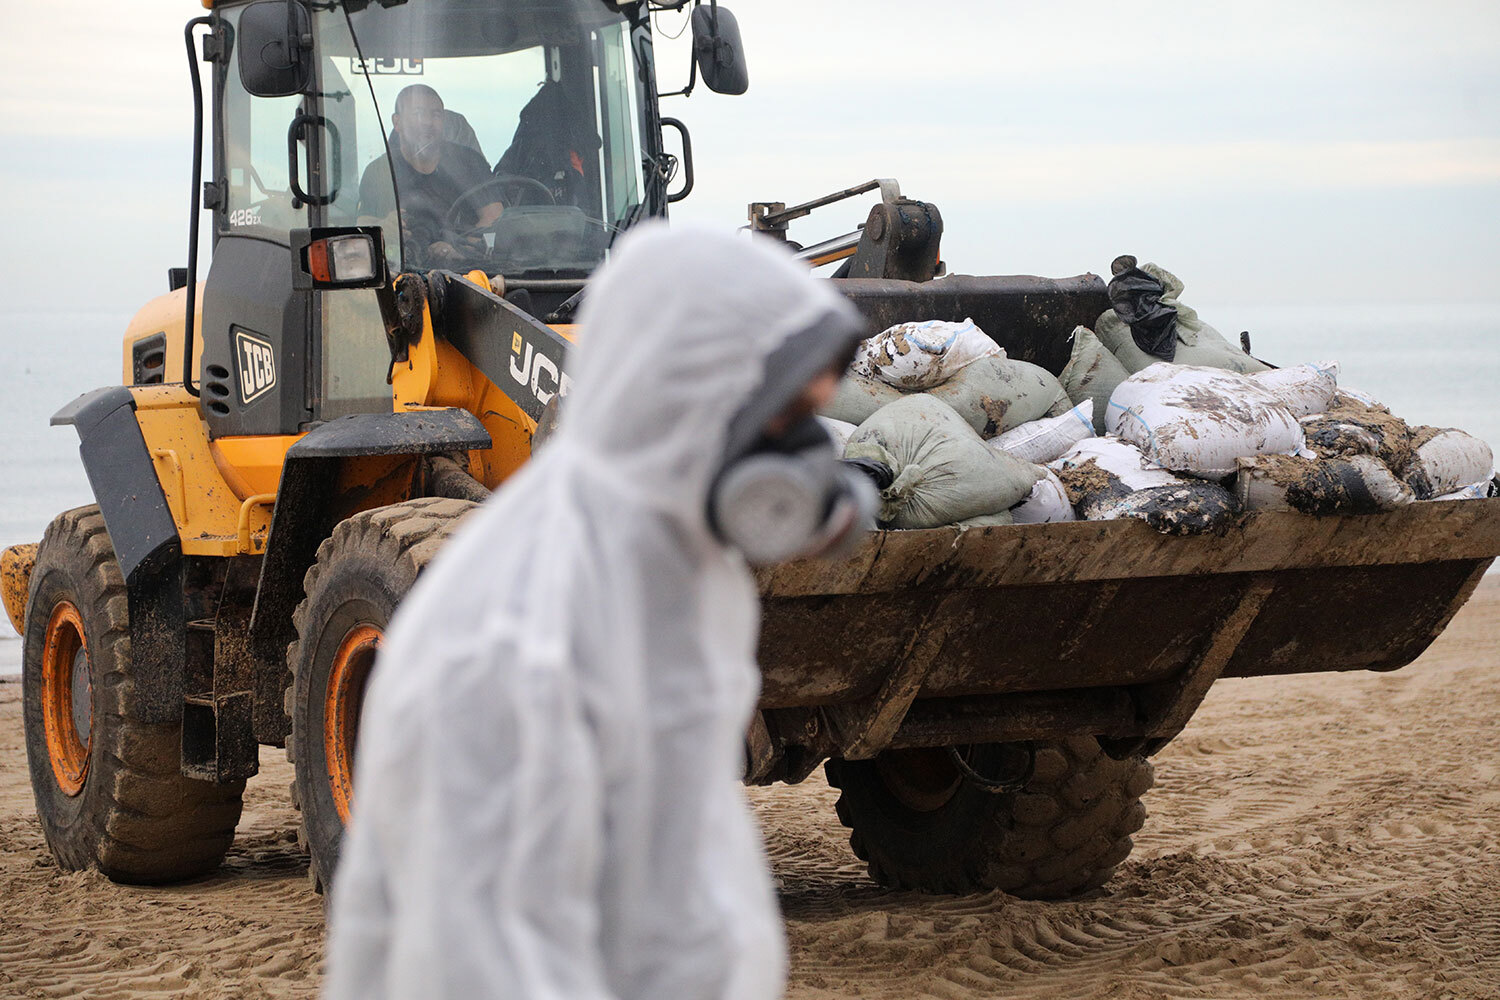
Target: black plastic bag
<point>1136,298</point>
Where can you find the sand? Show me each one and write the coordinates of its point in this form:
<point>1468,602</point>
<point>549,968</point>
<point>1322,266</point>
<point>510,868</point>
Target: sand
<point>1334,835</point>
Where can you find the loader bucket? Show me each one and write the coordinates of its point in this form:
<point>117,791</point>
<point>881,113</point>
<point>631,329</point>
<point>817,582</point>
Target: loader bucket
<point>1031,318</point>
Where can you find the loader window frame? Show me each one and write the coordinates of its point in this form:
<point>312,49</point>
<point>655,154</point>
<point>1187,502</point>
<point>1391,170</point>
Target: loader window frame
<point>250,151</point>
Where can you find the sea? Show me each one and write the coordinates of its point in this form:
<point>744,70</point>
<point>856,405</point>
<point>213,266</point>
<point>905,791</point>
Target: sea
<point>1431,364</point>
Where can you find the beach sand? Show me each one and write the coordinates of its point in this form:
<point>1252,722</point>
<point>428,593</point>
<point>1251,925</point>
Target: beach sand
<point>1329,835</point>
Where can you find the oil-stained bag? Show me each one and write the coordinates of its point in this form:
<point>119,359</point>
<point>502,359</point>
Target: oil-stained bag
<point>1200,420</point>
<point>917,356</point>
<point>995,394</point>
<point>1047,503</point>
<point>1352,427</point>
<point>1449,460</point>
<point>1358,485</point>
<point>944,473</point>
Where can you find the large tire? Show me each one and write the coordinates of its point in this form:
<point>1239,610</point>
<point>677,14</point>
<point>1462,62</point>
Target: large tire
<point>362,572</point>
<point>920,824</point>
<point>109,789</point>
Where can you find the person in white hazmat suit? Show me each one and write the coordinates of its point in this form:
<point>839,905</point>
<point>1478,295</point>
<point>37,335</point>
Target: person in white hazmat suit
<point>547,802</point>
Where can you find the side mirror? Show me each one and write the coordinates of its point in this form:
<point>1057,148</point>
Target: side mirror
<point>718,50</point>
<point>275,48</point>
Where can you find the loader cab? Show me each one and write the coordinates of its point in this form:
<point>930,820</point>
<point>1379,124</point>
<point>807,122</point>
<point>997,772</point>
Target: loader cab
<point>517,137</point>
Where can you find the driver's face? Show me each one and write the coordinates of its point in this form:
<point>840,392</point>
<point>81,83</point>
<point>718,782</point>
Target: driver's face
<point>420,124</point>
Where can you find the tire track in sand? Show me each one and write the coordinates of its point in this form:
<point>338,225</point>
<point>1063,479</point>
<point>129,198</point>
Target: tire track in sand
<point>1309,836</point>
<point>1324,835</point>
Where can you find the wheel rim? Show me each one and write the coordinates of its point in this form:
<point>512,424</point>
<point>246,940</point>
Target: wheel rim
<point>67,701</point>
<point>921,780</point>
<point>346,695</point>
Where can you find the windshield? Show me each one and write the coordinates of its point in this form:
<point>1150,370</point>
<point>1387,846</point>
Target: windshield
<point>511,131</point>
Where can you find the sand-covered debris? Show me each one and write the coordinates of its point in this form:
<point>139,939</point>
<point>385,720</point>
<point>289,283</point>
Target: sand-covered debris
<point>1323,836</point>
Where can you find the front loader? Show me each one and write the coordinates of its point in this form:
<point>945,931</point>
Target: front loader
<point>296,436</point>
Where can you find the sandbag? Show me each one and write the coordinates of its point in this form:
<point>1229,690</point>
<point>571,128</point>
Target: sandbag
<point>1199,420</point>
<point>1047,503</point>
<point>1117,458</point>
<point>1173,507</point>
<point>1303,389</point>
<point>917,356</point>
<point>1445,461</point>
<point>1479,491</point>
<point>1197,342</point>
<point>988,520</point>
<point>1350,427</point>
<point>944,473</point>
<point>1091,374</point>
<point>838,430</point>
<point>1358,485</point>
<point>995,394</point>
<point>858,397</point>
<point>1044,440</point>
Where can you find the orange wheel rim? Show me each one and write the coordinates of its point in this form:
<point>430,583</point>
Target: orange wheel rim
<point>346,695</point>
<point>67,704</point>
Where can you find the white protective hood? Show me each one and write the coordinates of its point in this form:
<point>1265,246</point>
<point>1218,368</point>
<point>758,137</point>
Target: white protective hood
<point>547,803</point>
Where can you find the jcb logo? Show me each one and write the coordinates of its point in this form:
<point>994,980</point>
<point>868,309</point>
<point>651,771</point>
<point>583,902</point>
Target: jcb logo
<point>257,363</point>
<point>536,371</point>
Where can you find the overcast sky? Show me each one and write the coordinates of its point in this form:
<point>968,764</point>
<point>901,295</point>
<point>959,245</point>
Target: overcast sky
<point>1281,152</point>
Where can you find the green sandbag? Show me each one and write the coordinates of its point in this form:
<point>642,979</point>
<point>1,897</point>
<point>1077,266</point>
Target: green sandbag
<point>1197,342</point>
<point>944,472</point>
<point>858,397</point>
<point>988,520</point>
<point>1091,374</point>
<point>997,393</point>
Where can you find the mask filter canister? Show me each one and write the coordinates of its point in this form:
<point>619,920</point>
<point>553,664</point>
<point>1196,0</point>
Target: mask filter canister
<point>777,506</point>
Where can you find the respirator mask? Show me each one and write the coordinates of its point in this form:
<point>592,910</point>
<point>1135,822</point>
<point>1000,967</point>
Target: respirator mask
<point>784,496</point>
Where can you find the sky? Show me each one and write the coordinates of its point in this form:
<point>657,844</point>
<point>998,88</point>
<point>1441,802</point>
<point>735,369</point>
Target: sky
<point>1279,153</point>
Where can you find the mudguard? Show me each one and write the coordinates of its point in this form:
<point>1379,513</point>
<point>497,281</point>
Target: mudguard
<point>304,500</point>
<point>123,479</point>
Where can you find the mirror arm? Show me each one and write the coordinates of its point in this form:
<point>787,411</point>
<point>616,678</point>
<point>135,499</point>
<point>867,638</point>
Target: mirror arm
<point>192,260</point>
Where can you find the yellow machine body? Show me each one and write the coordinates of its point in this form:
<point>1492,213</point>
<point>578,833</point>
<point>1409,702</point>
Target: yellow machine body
<point>221,492</point>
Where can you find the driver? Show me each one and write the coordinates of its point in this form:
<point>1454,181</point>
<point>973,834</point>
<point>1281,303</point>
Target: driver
<point>433,177</point>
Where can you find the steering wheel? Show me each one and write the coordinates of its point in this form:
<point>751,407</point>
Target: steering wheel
<point>501,183</point>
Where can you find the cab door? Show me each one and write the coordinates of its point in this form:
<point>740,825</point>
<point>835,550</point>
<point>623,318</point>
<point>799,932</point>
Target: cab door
<point>256,329</point>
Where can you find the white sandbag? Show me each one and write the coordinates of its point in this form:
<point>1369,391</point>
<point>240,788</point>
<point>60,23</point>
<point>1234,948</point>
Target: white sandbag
<point>1107,479</point>
<point>1200,420</point>
<point>1197,342</point>
<point>1091,374</point>
<point>1450,460</point>
<point>839,430</point>
<point>1047,503</point>
<point>1358,485</point>
<point>1118,458</point>
<point>1479,491</point>
<point>858,396</point>
<point>1348,394</point>
<point>943,471</point>
<point>1042,441</point>
<point>1303,389</point>
<point>1191,507</point>
<point>917,356</point>
<point>995,394</point>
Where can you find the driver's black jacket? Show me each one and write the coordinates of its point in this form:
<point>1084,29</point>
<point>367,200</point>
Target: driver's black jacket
<point>427,199</point>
